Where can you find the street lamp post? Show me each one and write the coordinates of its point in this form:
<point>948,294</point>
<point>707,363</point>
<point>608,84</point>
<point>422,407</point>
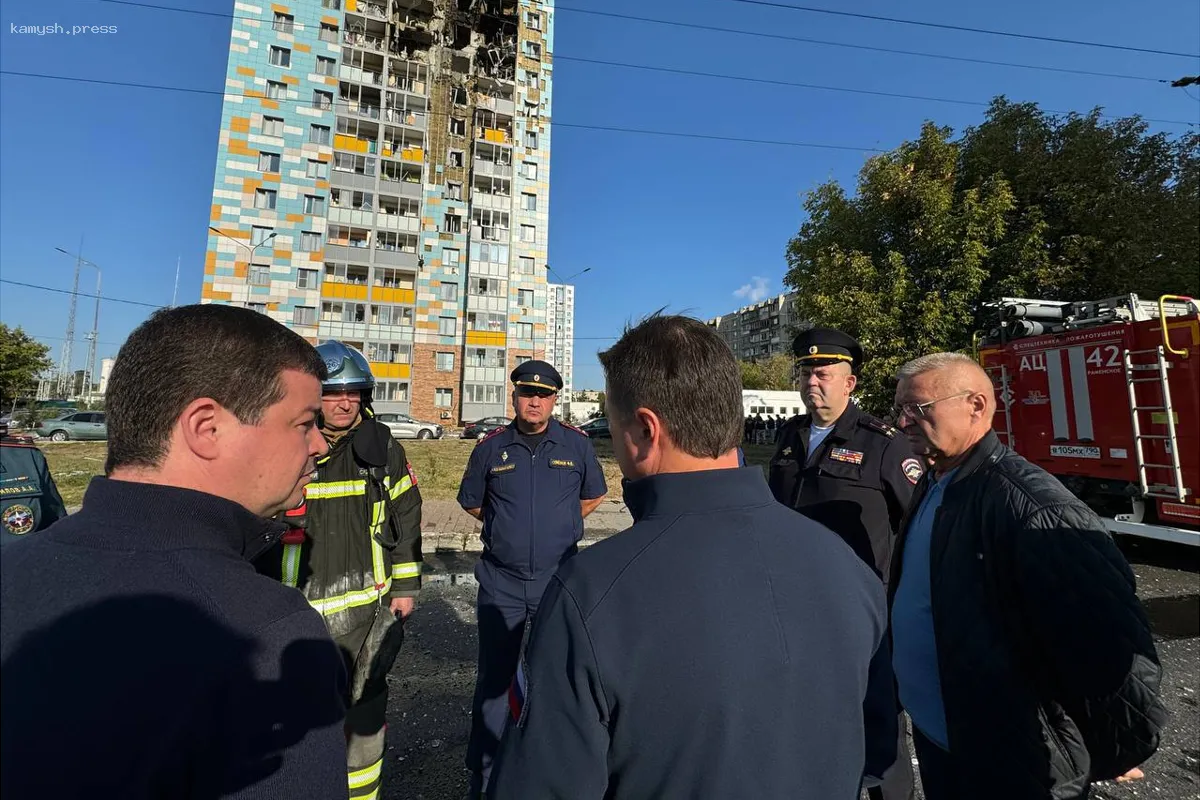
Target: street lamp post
<point>251,248</point>
<point>89,371</point>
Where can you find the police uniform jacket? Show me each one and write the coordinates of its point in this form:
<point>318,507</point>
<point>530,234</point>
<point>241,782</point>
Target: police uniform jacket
<point>532,518</point>
<point>858,483</point>
<point>356,540</point>
<point>29,500</point>
<point>722,647</point>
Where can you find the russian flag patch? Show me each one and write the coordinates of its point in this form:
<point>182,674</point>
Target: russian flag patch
<point>518,692</point>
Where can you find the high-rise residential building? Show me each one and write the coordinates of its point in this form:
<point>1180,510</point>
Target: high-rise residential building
<point>383,179</point>
<point>560,335</point>
<point>761,330</point>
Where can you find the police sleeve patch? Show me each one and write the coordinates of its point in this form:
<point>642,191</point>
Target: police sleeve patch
<point>912,470</point>
<point>518,695</point>
<point>412,476</point>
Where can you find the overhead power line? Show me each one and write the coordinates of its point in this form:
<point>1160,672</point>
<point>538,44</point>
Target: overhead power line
<point>606,128</point>
<point>987,31</point>
<point>81,294</point>
<point>736,32</point>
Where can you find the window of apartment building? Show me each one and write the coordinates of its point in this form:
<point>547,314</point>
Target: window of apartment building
<point>450,257</point>
<point>393,278</point>
<point>390,391</point>
<point>259,275</point>
<point>447,291</point>
<point>529,170</point>
<point>443,398</point>
<point>264,198</point>
<point>314,204</point>
<point>458,95</point>
<point>317,169</point>
<point>276,90</point>
<point>310,241</point>
<point>532,109</point>
<point>389,352</point>
<point>531,140</point>
<point>527,77</point>
<point>343,312</point>
<point>533,21</point>
<point>458,127</point>
<point>322,100</point>
<point>484,357</point>
<point>528,233</point>
<point>334,4</point>
<point>486,287</point>
<point>284,23</point>
<point>281,56</point>
<point>453,190</point>
<point>525,331</point>
<point>325,66</point>
<point>481,321</point>
<point>329,33</point>
<point>447,326</point>
<point>400,316</point>
<point>306,279</point>
<point>452,224</point>
<point>528,201</point>
<point>304,315</point>
<point>491,253</point>
<point>268,162</point>
<point>319,134</point>
<point>445,362</point>
<point>526,265</point>
<point>483,393</point>
<point>525,298</point>
<point>359,165</point>
<point>455,158</point>
<point>259,234</point>
<point>531,49</point>
<point>259,307</point>
<point>272,126</point>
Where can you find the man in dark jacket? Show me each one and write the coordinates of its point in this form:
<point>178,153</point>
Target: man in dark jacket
<point>29,500</point>
<point>143,657</point>
<point>1021,652</point>
<point>354,550</point>
<point>724,646</point>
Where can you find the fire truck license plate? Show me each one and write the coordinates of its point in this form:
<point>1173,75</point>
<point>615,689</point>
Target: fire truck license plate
<point>1074,451</point>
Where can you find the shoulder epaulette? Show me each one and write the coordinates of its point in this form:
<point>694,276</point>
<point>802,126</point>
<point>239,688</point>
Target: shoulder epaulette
<point>485,437</point>
<point>877,425</point>
<point>569,426</point>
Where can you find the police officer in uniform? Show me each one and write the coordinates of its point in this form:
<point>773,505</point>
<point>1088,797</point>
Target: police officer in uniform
<point>849,471</point>
<point>29,500</point>
<point>531,483</point>
<point>354,550</point>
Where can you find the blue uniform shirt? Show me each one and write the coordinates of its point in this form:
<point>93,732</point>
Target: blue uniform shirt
<point>530,499</point>
<point>914,646</point>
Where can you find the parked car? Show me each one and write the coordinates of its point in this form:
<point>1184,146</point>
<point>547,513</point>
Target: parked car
<point>597,429</point>
<point>481,428</point>
<point>403,426</point>
<point>81,425</point>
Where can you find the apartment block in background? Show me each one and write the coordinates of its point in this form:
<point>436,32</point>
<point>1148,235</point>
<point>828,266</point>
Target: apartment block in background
<point>383,179</point>
<point>761,330</point>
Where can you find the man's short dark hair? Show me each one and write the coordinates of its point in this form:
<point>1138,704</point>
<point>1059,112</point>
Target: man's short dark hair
<point>233,355</point>
<point>680,369</point>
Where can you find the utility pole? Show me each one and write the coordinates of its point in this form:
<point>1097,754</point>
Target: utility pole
<point>175,294</point>
<point>89,371</point>
<point>65,378</point>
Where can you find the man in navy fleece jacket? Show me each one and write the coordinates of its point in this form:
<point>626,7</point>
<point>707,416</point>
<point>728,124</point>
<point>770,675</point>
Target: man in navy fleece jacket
<point>143,656</point>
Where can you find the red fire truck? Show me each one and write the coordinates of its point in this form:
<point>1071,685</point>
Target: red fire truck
<point>1105,395</point>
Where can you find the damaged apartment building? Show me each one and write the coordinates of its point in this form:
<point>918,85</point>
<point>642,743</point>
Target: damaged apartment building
<point>382,178</point>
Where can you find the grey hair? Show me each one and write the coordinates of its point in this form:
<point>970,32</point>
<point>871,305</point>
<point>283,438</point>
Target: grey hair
<point>933,361</point>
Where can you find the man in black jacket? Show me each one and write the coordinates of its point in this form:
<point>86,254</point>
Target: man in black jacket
<point>143,657</point>
<point>1020,650</point>
<point>724,646</point>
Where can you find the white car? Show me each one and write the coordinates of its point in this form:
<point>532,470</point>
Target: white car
<point>403,426</point>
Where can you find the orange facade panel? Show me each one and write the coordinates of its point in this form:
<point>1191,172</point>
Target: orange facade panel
<point>344,291</point>
<point>270,104</point>
<point>278,9</point>
<point>485,339</point>
<point>384,370</point>
<point>301,48</point>
<point>330,21</point>
<point>240,124</point>
<point>295,218</point>
<point>216,213</point>
<point>386,295</point>
<point>247,71</point>
<point>291,80</point>
<point>240,268</point>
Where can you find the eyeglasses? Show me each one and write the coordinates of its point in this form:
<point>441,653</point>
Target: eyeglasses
<point>917,410</point>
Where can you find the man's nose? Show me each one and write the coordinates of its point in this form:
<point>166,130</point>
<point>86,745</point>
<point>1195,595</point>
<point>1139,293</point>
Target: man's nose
<point>317,443</point>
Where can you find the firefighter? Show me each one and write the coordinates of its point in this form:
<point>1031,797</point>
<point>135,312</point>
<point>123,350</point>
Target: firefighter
<point>29,500</point>
<point>354,550</point>
<point>849,471</point>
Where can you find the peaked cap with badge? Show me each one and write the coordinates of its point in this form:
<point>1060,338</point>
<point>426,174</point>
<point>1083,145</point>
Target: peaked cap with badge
<point>816,347</point>
<point>537,375</point>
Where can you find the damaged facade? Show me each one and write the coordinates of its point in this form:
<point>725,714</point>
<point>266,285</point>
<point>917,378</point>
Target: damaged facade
<point>383,179</point>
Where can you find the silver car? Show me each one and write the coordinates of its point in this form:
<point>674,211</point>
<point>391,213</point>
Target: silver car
<point>83,425</point>
<point>403,426</point>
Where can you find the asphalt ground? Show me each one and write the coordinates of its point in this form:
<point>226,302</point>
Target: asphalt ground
<point>433,680</point>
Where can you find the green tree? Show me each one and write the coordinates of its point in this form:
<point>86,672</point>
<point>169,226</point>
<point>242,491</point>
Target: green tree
<point>22,358</point>
<point>771,374</point>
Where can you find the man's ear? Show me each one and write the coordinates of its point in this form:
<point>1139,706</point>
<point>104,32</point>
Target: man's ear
<point>201,426</point>
<point>648,427</point>
<point>979,404</point>
<point>851,382</point>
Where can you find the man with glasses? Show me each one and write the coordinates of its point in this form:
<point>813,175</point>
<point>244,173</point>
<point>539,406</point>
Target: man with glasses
<point>531,483</point>
<point>1020,649</point>
<point>849,471</point>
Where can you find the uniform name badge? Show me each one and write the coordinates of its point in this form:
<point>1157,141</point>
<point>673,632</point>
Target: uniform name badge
<point>847,456</point>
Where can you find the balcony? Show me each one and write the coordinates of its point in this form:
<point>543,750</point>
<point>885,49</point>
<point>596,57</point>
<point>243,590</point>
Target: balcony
<point>358,108</point>
<point>490,233</point>
<point>407,117</point>
<point>497,136</point>
<point>363,41</point>
<point>395,258</point>
<point>372,10</point>
<point>358,254</point>
<point>499,105</point>
<point>398,223</point>
<point>357,75</point>
<point>342,141</point>
<point>492,169</point>
<point>493,202</point>
<point>363,217</point>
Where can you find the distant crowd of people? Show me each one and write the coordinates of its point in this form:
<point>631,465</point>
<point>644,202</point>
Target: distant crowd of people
<point>763,430</point>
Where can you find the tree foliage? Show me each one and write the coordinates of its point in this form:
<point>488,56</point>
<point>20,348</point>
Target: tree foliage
<point>22,358</point>
<point>770,374</point>
<point>1025,204</point>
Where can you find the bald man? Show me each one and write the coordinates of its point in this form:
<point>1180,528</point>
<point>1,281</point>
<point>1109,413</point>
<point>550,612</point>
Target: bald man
<point>1020,650</point>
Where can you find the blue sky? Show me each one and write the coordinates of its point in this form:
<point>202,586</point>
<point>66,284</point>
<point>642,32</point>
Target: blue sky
<point>698,226</point>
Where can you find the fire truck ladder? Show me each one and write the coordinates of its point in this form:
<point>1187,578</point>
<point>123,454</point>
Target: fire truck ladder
<point>1175,491</point>
<point>1003,400</point>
